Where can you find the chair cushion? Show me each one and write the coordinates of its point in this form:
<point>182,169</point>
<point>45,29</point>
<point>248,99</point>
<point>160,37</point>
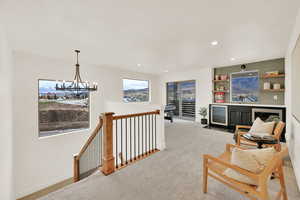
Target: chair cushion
<point>253,160</point>
<point>260,127</point>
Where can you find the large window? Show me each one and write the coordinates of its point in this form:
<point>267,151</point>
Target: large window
<point>135,90</point>
<point>182,95</point>
<point>245,87</point>
<point>61,111</point>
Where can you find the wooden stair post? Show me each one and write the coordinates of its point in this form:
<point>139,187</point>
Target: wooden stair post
<point>108,160</point>
<point>76,168</point>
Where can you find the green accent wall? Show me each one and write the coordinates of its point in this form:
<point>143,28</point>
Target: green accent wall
<point>265,97</point>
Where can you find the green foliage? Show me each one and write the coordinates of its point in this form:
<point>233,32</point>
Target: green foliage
<point>203,112</point>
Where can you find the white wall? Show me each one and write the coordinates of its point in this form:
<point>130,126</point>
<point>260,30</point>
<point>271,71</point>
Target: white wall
<point>41,162</point>
<point>6,150</point>
<point>293,127</point>
<point>202,76</point>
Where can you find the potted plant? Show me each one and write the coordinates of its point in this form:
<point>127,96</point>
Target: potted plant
<point>203,113</point>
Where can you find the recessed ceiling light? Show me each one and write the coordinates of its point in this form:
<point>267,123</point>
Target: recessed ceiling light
<point>232,59</point>
<point>214,43</point>
<point>139,65</point>
<point>166,71</point>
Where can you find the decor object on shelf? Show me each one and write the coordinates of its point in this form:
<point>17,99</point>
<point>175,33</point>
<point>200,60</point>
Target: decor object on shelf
<point>217,77</point>
<point>77,85</point>
<point>203,113</point>
<point>224,77</point>
<point>272,73</point>
<point>245,87</point>
<point>267,86</point>
<point>220,88</point>
<point>276,86</point>
<point>220,97</point>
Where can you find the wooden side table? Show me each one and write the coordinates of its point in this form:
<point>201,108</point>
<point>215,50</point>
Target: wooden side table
<point>260,141</point>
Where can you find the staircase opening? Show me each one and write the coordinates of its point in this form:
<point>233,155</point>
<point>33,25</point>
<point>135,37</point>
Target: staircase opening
<point>116,142</point>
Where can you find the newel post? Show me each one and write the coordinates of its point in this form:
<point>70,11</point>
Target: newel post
<point>76,168</point>
<point>108,160</point>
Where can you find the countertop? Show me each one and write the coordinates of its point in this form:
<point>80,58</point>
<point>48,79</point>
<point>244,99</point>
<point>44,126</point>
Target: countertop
<point>254,105</point>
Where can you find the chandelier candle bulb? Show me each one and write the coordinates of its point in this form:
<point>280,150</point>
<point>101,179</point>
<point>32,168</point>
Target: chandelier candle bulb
<point>77,85</point>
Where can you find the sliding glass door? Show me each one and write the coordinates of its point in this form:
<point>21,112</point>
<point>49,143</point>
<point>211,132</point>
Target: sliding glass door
<point>183,96</point>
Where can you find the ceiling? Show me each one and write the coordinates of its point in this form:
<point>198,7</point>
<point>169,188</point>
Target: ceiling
<point>160,35</point>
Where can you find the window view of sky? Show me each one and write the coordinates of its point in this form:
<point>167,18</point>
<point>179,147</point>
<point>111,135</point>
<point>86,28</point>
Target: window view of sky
<point>129,84</point>
<point>135,90</point>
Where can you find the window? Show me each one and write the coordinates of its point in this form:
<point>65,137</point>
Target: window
<point>61,111</point>
<point>135,90</point>
<point>245,87</point>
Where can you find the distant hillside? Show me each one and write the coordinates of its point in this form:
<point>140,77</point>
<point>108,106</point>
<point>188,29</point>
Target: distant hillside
<point>136,90</point>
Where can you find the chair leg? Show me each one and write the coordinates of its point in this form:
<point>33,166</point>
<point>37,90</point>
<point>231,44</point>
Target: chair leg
<point>264,192</point>
<point>282,182</point>
<point>205,172</point>
<point>238,141</point>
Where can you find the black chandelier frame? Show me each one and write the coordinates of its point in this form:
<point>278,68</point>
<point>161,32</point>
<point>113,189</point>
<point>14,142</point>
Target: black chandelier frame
<point>77,83</point>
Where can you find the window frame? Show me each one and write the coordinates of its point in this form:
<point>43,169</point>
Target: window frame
<point>60,133</point>
<point>243,72</point>
<point>135,79</point>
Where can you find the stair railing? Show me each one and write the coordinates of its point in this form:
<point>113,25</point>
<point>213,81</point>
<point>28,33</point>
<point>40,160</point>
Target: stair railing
<point>89,159</point>
<point>116,142</point>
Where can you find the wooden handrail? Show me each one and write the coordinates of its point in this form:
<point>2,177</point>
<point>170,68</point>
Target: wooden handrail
<point>90,139</point>
<point>76,175</point>
<point>108,159</point>
<point>157,112</point>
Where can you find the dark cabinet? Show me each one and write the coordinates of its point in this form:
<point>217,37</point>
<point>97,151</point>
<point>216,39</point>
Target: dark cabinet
<point>239,115</point>
<point>242,115</point>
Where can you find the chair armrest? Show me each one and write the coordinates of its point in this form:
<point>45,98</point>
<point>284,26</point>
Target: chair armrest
<point>242,126</point>
<point>242,133</point>
<point>229,147</point>
<point>236,168</point>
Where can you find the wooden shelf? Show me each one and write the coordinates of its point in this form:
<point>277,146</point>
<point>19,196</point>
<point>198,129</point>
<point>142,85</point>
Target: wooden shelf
<point>272,90</point>
<point>273,76</point>
<point>226,91</point>
<point>221,80</point>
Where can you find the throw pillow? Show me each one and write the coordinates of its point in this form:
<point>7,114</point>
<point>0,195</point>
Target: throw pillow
<point>261,127</point>
<point>253,160</point>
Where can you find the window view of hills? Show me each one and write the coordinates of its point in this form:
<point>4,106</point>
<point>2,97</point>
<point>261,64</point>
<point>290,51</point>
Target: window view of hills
<point>135,90</point>
<point>182,95</point>
<point>245,87</point>
<point>61,111</point>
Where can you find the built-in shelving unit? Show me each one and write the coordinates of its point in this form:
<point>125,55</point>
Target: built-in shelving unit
<point>226,91</point>
<point>221,86</point>
<point>221,80</point>
<point>273,76</point>
<point>273,90</point>
<point>270,74</point>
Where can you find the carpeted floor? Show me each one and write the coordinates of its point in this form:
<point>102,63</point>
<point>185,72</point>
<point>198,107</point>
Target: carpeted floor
<point>173,174</point>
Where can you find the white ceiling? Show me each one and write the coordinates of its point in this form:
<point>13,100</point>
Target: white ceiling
<point>159,34</point>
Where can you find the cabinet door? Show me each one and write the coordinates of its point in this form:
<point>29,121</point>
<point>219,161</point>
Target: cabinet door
<point>245,118</point>
<point>234,117</point>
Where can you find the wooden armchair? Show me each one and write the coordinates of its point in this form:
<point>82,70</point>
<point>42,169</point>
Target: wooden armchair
<point>240,130</point>
<point>215,167</point>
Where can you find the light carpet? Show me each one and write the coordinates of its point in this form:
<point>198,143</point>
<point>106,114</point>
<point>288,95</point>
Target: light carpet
<point>175,173</point>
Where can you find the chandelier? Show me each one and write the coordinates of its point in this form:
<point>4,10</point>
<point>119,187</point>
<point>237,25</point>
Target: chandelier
<point>77,84</point>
